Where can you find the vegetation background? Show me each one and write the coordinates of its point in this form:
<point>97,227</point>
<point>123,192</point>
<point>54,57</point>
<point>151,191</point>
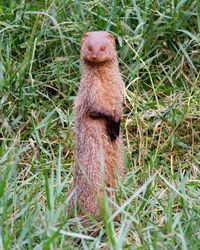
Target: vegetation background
<point>158,48</point>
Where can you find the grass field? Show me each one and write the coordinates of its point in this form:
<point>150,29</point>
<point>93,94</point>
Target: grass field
<point>158,45</point>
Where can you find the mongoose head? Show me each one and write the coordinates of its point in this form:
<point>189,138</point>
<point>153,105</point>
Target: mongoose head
<point>98,47</point>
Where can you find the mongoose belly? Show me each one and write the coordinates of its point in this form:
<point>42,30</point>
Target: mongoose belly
<point>99,156</point>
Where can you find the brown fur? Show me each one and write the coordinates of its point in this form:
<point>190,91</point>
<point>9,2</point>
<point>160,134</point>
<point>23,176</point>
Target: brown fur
<point>99,99</point>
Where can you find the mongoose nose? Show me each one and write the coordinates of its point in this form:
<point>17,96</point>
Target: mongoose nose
<point>94,57</point>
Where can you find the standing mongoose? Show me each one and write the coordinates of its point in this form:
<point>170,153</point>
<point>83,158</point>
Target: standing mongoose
<point>98,111</point>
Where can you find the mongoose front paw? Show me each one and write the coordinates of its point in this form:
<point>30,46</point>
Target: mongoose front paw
<point>113,128</point>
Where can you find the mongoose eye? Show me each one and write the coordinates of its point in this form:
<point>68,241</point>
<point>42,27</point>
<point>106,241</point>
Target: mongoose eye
<point>89,47</point>
<point>103,48</point>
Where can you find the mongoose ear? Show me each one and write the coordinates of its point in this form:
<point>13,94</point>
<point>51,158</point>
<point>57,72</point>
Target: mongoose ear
<point>84,37</point>
<point>111,38</point>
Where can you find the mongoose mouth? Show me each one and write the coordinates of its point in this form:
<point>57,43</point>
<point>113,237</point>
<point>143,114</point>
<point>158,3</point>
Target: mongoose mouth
<point>95,59</point>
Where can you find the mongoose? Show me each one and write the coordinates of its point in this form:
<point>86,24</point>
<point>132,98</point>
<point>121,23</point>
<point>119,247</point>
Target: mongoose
<point>98,111</point>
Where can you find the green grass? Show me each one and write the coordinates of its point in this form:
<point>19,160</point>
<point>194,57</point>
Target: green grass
<point>158,46</point>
